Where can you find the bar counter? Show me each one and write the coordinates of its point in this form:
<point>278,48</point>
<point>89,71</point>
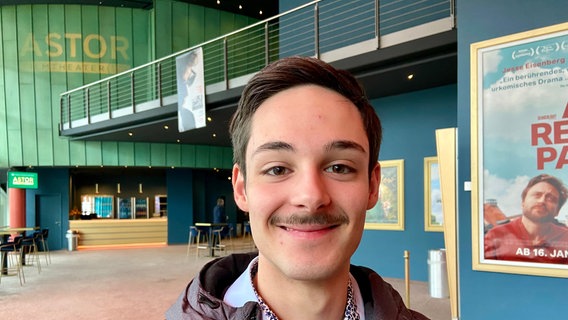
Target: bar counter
<point>103,232</point>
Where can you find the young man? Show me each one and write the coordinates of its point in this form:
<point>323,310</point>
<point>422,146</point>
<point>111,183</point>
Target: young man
<point>536,236</point>
<point>306,144</point>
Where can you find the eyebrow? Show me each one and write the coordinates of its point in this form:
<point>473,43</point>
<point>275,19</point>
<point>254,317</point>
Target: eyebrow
<point>344,145</point>
<point>334,145</point>
<point>274,146</point>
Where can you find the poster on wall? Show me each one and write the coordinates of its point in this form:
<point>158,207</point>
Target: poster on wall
<point>388,212</point>
<point>519,123</point>
<point>191,90</point>
<point>433,213</point>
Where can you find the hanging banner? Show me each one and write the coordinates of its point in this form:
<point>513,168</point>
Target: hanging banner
<point>191,90</point>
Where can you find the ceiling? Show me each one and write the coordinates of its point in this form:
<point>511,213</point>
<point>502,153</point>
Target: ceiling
<point>251,8</point>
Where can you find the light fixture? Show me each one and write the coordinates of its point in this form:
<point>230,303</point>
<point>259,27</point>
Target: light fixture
<point>166,127</point>
<point>218,2</point>
<point>214,135</point>
<point>209,119</point>
<point>130,134</point>
<point>139,188</point>
<point>240,7</point>
<point>410,76</point>
<point>178,141</point>
<point>96,188</point>
<point>260,12</point>
<point>118,188</point>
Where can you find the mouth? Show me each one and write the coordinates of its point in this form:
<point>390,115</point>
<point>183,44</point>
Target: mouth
<point>308,228</point>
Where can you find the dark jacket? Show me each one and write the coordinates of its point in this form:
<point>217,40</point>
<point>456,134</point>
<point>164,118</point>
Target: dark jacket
<point>203,297</point>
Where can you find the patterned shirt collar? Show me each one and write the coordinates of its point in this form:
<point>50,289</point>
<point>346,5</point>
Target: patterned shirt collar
<point>350,313</point>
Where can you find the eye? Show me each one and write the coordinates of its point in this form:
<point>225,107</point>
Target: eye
<point>551,198</point>
<point>276,171</point>
<point>340,169</point>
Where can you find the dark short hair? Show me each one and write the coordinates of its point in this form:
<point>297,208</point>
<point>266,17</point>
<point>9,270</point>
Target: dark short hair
<point>553,181</point>
<point>290,72</point>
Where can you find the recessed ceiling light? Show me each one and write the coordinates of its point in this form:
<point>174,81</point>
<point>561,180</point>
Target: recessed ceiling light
<point>166,127</point>
<point>130,134</point>
<point>209,119</point>
<point>260,12</point>
<point>410,76</point>
<point>214,135</point>
<point>218,2</point>
<point>240,7</point>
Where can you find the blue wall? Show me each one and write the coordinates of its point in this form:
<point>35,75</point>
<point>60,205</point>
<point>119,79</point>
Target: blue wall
<point>52,184</point>
<point>487,295</point>
<point>180,204</point>
<point>192,194</point>
<point>409,124</point>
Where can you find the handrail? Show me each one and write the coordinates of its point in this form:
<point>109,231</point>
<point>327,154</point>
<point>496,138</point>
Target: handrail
<point>232,57</point>
<point>175,54</point>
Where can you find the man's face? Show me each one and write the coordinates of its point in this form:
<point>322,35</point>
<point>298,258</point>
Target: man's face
<point>307,187</point>
<point>541,203</point>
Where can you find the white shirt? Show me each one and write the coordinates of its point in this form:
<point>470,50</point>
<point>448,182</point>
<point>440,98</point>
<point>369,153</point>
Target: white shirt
<point>241,292</point>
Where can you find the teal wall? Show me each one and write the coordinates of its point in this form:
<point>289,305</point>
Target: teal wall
<point>409,124</point>
<point>48,49</point>
<point>489,295</point>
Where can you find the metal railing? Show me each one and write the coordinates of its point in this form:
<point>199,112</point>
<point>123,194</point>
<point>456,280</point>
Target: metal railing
<point>309,30</point>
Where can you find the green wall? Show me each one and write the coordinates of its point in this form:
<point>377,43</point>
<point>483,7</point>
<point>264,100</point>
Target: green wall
<point>48,49</point>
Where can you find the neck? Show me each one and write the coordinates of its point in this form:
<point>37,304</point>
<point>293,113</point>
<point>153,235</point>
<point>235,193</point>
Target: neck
<point>301,299</point>
<point>536,230</point>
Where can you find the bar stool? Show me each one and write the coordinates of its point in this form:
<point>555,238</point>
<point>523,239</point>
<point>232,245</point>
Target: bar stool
<point>196,236</point>
<point>45,245</point>
<point>29,245</point>
<point>11,252</point>
<point>217,240</point>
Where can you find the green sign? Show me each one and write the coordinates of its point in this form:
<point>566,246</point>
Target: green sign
<point>22,180</point>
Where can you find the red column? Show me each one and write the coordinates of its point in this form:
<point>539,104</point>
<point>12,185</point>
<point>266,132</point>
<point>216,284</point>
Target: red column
<point>17,204</point>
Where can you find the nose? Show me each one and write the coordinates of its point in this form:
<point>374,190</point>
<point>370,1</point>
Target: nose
<point>310,192</point>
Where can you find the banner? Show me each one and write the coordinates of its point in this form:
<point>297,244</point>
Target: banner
<point>191,90</point>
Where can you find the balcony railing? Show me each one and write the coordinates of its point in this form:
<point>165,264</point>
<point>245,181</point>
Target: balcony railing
<point>327,29</point>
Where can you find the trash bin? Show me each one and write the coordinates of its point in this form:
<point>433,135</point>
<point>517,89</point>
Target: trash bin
<point>437,274</point>
<point>72,240</point>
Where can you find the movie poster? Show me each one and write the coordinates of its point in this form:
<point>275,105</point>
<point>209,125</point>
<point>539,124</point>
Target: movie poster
<point>520,123</point>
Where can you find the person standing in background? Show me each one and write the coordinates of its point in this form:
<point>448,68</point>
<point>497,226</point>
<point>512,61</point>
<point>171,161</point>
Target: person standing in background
<point>219,215</point>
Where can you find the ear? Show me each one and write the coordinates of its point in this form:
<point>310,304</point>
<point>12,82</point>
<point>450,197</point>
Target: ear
<point>374,183</point>
<point>239,191</point>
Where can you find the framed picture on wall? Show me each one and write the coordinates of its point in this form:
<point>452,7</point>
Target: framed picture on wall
<point>519,156</point>
<point>388,213</point>
<point>433,215</point>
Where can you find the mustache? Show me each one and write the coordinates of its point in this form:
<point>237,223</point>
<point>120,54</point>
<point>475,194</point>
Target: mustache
<point>320,218</point>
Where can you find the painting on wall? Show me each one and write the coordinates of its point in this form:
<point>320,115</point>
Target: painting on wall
<point>433,215</point>
<point>388,213</point>
<point>519,133</point>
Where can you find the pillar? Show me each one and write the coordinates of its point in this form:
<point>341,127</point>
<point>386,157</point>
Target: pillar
<point>17,207</point>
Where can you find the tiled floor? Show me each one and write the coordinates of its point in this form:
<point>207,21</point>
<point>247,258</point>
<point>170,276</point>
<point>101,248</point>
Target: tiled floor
<point>130,283</point>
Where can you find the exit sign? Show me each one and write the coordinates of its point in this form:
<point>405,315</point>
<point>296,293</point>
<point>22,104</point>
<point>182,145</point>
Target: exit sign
<point>22,180</point>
